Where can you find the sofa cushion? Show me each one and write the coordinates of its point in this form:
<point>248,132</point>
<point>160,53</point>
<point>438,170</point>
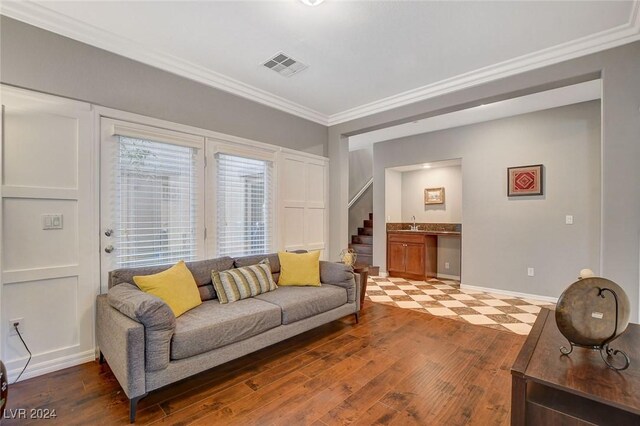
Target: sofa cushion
<point>244,282</point>
<point>298,303</point>
<point>212,325</point>
<point>175,286</point>
<point>201,270</point>
<point>299,269</point>
<point>254,259</point>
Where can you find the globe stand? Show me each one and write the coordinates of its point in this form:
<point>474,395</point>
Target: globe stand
<point>605,351</point>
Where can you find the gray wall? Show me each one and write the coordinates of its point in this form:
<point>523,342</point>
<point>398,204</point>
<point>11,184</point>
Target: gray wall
<point>413,186</point>
<point>360,171</point>
<point>449,252</point>
<point>36,59</point>
<point>501,236</point>
<point>392,185</point>
<point>619,69</point>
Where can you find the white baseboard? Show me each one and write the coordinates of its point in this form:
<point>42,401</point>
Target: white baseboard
<point>385,274</point>
<point>449,277</point>
<point>34,370</point>
<point>510,293</point>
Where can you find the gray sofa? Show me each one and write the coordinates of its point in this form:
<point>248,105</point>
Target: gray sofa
<point>148,348</point>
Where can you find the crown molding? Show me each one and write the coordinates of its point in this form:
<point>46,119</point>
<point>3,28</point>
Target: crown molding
<point>607,39</point>
<point>42,17</point>
<point>47,19</point>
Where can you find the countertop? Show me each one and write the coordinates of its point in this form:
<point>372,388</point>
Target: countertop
<point>406,231</point>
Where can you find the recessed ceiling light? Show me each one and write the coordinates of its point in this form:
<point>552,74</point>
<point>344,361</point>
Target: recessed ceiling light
<point>426,166</point>
<point>312,2</point>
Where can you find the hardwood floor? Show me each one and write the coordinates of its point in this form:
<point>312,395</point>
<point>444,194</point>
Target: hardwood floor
<point>395,367</point>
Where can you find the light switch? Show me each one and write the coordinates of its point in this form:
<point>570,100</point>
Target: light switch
<point>51,221</point>
<point>568,219</point>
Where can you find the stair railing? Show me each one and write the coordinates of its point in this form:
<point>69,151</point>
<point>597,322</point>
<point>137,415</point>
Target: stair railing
<point>359,194</point>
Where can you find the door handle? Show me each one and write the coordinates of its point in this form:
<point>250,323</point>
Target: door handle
<point>109,249</point>
<point>108,232</point>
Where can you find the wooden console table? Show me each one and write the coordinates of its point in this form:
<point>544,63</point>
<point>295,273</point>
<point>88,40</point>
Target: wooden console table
<point>549,388</point>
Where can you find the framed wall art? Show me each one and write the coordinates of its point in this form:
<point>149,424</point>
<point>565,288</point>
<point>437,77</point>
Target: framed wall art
<point>524,180</point>
<point>434,195</point>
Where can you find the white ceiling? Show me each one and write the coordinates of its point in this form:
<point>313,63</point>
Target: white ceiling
<point>363,56</point>
<point>562,96</point>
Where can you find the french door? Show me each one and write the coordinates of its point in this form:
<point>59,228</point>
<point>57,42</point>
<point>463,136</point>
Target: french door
<point>152,196</point>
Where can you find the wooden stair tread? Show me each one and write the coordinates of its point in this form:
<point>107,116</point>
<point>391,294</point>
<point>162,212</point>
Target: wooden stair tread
<point>362,239</point>
<point>362,248</point>
<point>362,243</point>
<point>365,231</point>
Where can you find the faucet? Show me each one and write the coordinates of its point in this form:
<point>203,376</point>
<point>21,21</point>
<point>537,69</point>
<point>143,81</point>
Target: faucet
<point>414,227</point>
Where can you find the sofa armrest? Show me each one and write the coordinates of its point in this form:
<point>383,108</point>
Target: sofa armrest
<point>341,275</point>
<point>156,317</point>
<point>121,341</point>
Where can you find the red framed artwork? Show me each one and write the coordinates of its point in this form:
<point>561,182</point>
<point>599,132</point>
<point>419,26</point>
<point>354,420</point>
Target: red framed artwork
<point>524,180</point>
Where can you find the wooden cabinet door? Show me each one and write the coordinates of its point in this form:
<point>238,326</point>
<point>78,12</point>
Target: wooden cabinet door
<point>395,257</point>
<point>414,258</point>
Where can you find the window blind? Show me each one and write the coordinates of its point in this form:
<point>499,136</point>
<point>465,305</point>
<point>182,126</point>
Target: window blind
<point>244,205</point>
<point>155,202</point>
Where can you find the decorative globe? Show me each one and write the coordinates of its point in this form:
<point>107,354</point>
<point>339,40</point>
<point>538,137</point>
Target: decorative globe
<point>586,314</point>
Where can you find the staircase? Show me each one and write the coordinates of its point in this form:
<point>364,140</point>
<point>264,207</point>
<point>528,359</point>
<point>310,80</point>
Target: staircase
<point>362,244</point>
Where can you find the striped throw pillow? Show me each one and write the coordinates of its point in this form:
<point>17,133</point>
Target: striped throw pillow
<point>240,283</point>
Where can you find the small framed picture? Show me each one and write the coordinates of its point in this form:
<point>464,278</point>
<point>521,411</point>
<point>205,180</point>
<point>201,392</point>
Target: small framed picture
<point>524,180</point>
<point>434,195</point>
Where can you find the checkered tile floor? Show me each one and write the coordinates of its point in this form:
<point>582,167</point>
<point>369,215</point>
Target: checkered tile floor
<point>446,299</point>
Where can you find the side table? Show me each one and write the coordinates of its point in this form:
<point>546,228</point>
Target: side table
<point>363,270</point>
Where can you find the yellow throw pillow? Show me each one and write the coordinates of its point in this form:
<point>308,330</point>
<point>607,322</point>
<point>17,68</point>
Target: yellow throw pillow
<point>175,286</point>
<point>302,269</point>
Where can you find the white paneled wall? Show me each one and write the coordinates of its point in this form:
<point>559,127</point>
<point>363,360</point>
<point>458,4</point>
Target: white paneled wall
<point>303,202</point>
<point>48,280</point>
<point>49,166</point>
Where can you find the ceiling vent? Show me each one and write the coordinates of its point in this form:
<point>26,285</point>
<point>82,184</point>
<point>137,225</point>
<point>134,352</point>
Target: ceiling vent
<point>284,65</point>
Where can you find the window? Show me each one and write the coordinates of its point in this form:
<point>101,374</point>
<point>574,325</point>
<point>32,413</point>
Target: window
<point>244,207</point>
<point>155,202</point>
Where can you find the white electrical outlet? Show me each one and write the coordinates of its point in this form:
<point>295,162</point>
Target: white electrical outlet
<point>530,272</point>
<point>568,219</point>
<point>446,265</point>
<point>12,330</point>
